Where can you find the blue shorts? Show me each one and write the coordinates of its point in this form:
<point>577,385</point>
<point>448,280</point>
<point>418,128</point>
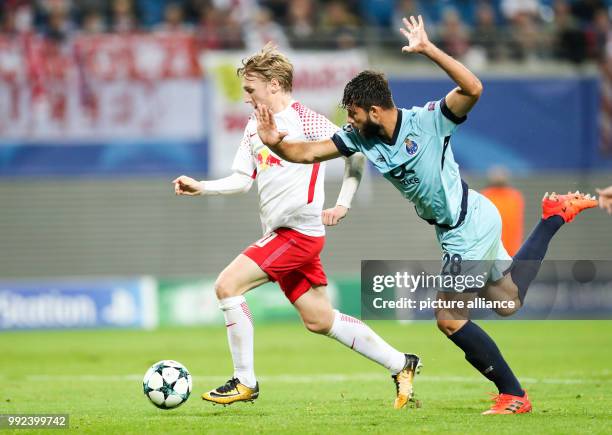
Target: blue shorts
<point>476,242</point>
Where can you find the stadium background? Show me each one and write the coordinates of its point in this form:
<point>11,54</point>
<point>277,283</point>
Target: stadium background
<point>103,103</point>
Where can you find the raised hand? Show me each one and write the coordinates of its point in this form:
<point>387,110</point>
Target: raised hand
<point>414,32</point>
<point>266,127</point>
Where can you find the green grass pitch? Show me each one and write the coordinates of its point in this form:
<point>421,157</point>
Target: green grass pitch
<point>310,384</point>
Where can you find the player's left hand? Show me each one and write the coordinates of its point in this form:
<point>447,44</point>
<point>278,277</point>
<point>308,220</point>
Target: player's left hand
<point>415,33</point>
<point>332,216</point>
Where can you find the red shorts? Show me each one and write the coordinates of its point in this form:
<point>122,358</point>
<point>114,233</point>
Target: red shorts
<point>292,259</point>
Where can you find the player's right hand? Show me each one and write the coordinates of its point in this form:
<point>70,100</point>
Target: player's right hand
<point>185,185</point>
<point>266,127</point>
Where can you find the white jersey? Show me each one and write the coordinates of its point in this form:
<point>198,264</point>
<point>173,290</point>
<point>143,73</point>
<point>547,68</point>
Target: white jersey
<point>291,195</point>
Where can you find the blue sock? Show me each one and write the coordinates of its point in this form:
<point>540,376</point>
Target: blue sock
<point>481,351</point>
<point>528,259</point>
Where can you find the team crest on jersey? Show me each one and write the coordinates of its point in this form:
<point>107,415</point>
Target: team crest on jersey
<point>347,128</point>
<point>431,106</point>
<point>411,147</point>
<point>266,160</point>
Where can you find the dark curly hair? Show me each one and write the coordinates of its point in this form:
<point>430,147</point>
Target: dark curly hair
<point>367,89</point>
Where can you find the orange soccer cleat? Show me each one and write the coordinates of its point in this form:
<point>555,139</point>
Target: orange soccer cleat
<point>566,206</point>
<point>508,404</point>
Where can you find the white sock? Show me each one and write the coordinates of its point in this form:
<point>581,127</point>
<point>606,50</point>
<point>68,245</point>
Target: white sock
<point>359,337</point>
<point>239,324</point>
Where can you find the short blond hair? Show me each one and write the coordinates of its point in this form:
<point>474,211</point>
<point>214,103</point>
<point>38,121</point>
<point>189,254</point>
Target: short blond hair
<point>270,64</point>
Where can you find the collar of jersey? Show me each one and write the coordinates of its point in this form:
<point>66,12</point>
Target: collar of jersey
<point>398,126</point>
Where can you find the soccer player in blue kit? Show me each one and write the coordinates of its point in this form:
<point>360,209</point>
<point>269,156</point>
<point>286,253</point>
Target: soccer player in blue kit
<point>411,148</point>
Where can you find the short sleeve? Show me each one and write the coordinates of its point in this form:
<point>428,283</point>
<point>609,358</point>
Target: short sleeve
<point>243,160</point>
<point>436,118</point>
<point>315,126</point>
<point>346,141</point>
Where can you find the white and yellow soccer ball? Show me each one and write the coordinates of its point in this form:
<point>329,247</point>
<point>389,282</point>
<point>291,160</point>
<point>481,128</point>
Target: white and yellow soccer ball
<point>167,384</point>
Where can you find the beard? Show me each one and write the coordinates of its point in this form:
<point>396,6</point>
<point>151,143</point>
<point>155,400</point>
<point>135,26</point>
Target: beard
<point>370,129</point>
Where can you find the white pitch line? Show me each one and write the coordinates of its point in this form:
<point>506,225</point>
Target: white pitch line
<point>306,379</point>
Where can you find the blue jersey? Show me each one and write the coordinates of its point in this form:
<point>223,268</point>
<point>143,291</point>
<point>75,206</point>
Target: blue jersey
<point>418,161</point>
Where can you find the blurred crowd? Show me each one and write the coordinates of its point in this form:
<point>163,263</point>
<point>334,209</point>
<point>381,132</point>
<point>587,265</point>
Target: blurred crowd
<point>569,30</point>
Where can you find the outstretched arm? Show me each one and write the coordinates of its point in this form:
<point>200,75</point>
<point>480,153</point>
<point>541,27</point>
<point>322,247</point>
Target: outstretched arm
<point>461,99</point>
<point>235,183</point>
<point>292,151</point>
<point>353,170</point>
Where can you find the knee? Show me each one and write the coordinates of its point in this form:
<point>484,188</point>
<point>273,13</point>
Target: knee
<point>225,288</point>
<point>319,322</point>
<point>511,307</point>
<point>449,327</point>
<point>318,326</point>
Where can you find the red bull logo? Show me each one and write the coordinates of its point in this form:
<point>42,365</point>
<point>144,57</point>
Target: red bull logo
<point>266,160</point>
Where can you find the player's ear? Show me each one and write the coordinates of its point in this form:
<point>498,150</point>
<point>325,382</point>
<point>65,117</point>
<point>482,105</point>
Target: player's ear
<point>375,112</point>
<point>274,85</point>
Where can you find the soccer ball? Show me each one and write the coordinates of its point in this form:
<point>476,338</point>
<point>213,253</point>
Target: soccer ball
<point>167,384</point>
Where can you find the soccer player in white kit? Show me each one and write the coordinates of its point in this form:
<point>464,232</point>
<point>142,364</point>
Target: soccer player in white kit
<point>291,200</point>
